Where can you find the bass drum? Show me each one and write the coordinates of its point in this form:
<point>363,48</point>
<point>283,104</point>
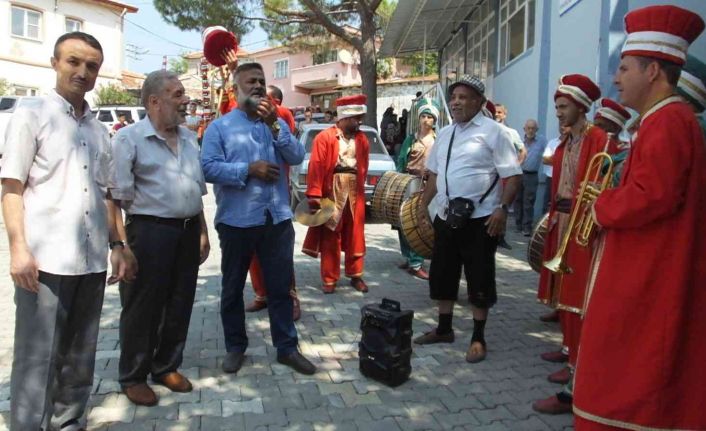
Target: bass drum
<point>392,189</point>
<point>535,248</point>
<point>417,226</point>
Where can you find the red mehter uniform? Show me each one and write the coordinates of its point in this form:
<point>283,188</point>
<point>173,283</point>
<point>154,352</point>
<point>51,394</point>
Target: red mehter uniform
<point>641,363</point>
<point>647,306</point>
<point>348,234</point>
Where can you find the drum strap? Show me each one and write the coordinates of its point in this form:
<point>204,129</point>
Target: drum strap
<point>446,172</point>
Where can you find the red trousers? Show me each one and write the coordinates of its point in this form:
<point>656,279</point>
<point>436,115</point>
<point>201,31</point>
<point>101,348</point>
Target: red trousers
<point>571,330</point>
<point>331,244</point>
<point>258,281</point>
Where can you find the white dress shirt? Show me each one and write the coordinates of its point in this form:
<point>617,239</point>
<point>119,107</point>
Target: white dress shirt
<point>64,163</point>
<point>152,180</point>
<point>548,152</point>
<point>482,149</point>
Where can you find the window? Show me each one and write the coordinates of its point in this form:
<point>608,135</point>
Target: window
<point>105,116</point>
<point>516,28</point>
<point>453,60</point>
<point>480,57</point>
<point>25,91</point>
<point>325,56</point>
<point>281,68</point>
<point>73,25</point>
<point>26,22</point>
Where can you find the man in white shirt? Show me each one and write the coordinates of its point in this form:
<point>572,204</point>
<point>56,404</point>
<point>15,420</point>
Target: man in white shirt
<point>547,167</point>
<point>55,180</point>
<point>467,162</point>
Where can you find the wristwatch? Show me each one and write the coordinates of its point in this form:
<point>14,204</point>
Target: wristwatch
<point>113,244</point>
<point>503,207</point>
<point>275,127</point>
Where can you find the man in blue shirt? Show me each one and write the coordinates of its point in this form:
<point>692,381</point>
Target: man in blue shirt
<point>524,204</point>
<point>244,155</point>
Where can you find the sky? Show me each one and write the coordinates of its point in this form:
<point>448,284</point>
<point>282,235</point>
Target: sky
<point>148,31</point>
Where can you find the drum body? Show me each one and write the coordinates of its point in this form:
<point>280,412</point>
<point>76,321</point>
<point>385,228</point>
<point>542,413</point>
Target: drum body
<point>417,226</point>
<point>392,189</point>
<point>535,248</point>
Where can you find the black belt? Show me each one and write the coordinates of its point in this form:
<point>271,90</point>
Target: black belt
<point>344,170</point>
<point>563,206</point>
<point>529,172</point>
<point>176,222</point>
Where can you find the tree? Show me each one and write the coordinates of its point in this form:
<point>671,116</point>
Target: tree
<point>199,14</point>
<point>112,94</point>
<point>418,60</point>
<point>355,22</point>
<point>178,65</point>
<point>297,23</point>
<point>4,86</point>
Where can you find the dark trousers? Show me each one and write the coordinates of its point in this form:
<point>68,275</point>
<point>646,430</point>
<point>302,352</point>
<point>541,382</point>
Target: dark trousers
<point>156,307</point>
<point>524,202</point>
<point>55,348</point>
<point>547,194</point>
<point>469,248</point>
<point>274,246</point>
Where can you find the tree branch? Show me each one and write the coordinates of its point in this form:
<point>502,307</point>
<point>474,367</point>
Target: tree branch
<point>323,20</point>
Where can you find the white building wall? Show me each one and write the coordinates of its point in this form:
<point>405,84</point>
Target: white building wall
<point>26,62</point>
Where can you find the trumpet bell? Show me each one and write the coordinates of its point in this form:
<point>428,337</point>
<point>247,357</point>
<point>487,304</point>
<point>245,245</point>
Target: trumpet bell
<point>557,265</point>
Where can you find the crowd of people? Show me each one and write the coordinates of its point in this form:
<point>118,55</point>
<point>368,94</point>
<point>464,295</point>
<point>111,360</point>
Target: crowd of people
<point>629,304</point>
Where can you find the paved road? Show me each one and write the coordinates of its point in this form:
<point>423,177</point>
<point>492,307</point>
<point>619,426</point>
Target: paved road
<point>444,391</point>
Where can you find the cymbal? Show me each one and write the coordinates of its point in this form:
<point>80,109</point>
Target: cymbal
<point>302,213</point>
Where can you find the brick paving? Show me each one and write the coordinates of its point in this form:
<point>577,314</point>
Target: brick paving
<point>443,393</point>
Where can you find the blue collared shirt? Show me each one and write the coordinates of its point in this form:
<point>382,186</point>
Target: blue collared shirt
<point>230,144</point>
<point>535,150</point>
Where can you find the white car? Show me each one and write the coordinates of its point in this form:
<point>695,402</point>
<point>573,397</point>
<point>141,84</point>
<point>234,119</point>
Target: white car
<point>8,105</point>
<point>379,162</point>
<point>108,115</point>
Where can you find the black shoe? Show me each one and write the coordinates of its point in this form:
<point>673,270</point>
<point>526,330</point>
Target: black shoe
<point>233,362</point>
<point>503,244</point>
<point>526,232</point>
<point>297,362</point>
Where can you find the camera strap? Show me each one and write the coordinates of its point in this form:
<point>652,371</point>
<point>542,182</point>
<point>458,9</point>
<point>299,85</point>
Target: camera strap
<point>446,172</point>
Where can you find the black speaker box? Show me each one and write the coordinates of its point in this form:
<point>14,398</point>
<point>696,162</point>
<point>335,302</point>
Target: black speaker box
<point>385,348</point>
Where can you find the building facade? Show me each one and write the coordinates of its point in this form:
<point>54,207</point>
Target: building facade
<point>521,47</point>
<point>27,41</point>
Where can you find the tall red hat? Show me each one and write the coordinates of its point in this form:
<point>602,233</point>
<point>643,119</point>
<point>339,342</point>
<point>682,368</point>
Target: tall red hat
<point>351,106</point>
<point>613,112</point>
<point>215,40</point>
<point>663,32</point>
<point>579,88</point>
<point>489,109</point>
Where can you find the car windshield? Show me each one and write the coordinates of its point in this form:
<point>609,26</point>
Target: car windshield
<point>376,146</point>
<point>7,103</point>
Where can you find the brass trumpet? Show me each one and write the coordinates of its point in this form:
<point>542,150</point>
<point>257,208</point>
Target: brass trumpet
<point>581,221</point>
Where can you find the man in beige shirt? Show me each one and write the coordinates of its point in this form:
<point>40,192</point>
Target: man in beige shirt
<point>159,183</point>
<point>55,176</point>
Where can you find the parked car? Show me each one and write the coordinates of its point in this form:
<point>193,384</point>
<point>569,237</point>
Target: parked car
<point>108,115</point>
<point>8,105</point>
<point>318,117</point>
<point>379,162</point>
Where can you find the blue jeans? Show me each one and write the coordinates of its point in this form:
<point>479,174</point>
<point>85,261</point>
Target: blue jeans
<point>414,260</point>
<point>274,246</point>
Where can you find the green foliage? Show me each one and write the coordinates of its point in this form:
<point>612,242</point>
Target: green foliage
<point>384,68</point>
<point>4,86</point>
<point>417,62</point>
<point>178,65</point>
<point>113,94</point>
<point>199,14</point>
